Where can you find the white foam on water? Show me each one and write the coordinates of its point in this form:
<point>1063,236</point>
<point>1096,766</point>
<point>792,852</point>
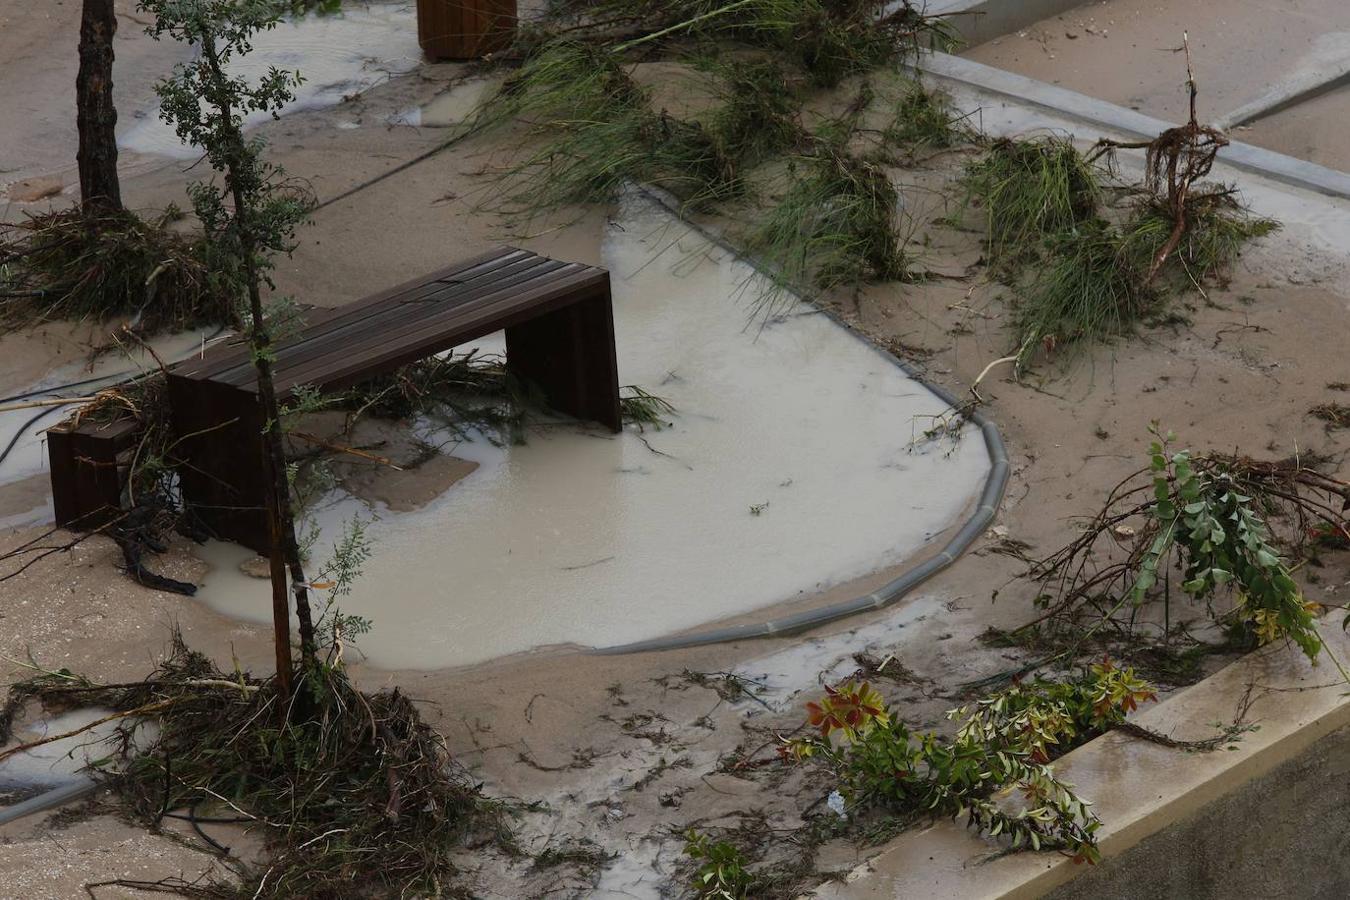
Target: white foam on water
<point>339,55</point>
<point>588,538</point>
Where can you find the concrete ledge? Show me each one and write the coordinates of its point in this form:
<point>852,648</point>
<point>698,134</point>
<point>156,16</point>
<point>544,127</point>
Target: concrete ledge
<point>978,21</point>
<point>1137,787</point>
<point>1119,120</point>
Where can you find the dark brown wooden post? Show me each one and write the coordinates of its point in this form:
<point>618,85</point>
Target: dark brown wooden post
<point>95,115</point>
<point>86,480</point>
<point>465,29</point>
<point>569,355</point>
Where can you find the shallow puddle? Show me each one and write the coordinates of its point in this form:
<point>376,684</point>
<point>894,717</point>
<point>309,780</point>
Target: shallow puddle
<point>61,761</point>
<point>788,468</point>
<point>338,55</point>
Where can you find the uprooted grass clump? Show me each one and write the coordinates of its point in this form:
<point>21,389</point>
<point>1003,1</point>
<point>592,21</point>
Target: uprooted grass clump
<point>1086,268</point>
<point>352,792</point>
<point>72,265</point>
<point>757,116</point>
<point>1031,190</point>
<point>1216,228</point>
<point>836,223</point>
<point>922,120</point>
<point>1080,293</point>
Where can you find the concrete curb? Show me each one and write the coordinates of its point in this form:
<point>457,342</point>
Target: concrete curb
<point>978,21</point>
<point>987,507</point>
<point>1110,117</point>
<point>1138,787</point>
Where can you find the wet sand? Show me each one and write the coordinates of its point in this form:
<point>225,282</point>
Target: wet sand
<point>1125,51</point>
<point>1317,130</point>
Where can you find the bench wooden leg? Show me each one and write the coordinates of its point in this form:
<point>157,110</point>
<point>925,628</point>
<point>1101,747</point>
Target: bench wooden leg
<point>86,485</point>
<point>569,354</point>
<point>219,432</point>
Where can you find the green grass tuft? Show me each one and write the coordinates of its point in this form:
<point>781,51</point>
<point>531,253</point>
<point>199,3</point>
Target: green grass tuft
<point>1030,190</point>
<point>1083,292</point>
<point>836,224</point>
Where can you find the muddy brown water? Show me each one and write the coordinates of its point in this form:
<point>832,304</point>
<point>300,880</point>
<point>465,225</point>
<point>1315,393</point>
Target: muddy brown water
<point>791,465</point>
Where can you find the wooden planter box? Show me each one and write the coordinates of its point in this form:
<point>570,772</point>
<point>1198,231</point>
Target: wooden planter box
<point>465,29</point>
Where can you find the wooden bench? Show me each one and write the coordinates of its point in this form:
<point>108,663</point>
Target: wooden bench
<point>559,336</point>
<point>86,474</point>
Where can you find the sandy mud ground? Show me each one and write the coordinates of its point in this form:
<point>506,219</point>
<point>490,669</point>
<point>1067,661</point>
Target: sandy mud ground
<point>627,750</point>
<point>1128,51</point>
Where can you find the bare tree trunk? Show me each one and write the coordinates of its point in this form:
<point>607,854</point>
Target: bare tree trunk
<point>95,115</point>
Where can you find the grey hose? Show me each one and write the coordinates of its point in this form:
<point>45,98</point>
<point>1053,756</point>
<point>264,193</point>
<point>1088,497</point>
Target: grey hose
<point>74,790</point>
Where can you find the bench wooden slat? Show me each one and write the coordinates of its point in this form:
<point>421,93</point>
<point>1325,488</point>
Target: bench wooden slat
<point>327,338</point>
<point>417,340</point>
<point>237,367</point>
<point>559,329</point>
<point>366,329</point>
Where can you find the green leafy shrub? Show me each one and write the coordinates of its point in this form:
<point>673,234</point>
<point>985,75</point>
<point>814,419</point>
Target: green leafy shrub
<point>1206,519</point>
<point>1224,544</point>
<point>1006,739</point>
<point>721,873</point>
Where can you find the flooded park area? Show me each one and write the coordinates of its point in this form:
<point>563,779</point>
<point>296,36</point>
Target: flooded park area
<point>561,449</point>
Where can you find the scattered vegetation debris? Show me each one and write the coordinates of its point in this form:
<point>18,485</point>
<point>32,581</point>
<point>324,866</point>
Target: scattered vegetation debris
<point>103,266</point>
<point>1204,520</point>
<point>1336,415</point>
<point>642,408</point>
<point>351,791</point>
<point>581,854</point>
